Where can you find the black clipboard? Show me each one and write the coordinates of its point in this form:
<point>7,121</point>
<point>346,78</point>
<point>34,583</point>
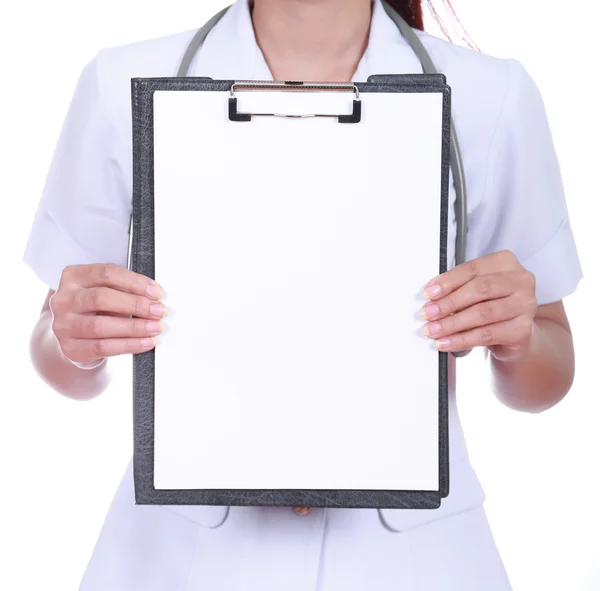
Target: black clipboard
<point>142,260</point>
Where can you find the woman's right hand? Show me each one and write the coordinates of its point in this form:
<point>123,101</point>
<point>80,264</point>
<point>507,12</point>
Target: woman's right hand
<point>92,309</point>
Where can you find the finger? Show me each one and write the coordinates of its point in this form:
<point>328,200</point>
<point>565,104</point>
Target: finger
<point>114,276</point>
<point>510,332</point>
<point>482,314</point>
<point>480,289</point>
<point>106,299</point>
<point>84,350</point>
<point>104,327</point>
<point>450,281</point>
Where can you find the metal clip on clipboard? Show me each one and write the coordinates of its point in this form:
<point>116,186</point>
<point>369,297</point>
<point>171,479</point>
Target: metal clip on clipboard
<point>292,86</point>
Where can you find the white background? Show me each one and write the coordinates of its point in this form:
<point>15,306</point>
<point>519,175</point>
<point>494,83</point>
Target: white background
<point>61,460</point>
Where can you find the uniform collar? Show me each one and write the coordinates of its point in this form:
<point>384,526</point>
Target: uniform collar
<point>387,51</point>
<point>231,52</point>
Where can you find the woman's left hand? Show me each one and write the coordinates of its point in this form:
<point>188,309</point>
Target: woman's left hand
<point>489,301</point>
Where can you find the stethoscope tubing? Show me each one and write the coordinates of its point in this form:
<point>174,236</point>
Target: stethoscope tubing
<point>456,163</point>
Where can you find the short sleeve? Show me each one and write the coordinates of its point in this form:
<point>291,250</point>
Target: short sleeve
<point>523,207</point>
<point>84,211</point>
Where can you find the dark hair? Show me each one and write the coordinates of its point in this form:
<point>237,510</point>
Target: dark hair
<point>412,12</point>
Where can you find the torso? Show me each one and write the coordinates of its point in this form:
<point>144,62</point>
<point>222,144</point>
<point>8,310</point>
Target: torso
<point>252,540</point>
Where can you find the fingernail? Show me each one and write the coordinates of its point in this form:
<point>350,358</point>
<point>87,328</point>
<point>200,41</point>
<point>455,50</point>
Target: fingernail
<point>432,329</point>
<point>430,311</point>
<point>443,343</point>
<point>433,291</point>
<point>154,327</point>
<point>154,290</point>
<point>158,310</point>
<point>148,342</point>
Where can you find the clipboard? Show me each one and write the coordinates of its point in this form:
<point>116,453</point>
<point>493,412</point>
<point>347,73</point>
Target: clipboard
<point>232,103</point>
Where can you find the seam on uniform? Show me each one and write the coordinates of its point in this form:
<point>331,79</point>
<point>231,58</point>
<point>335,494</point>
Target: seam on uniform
<point>66,235</point>
<point>548,242</point>
<point>118,130</point>
<point>101,58</point>
<point>319,569</point>
<point>184,585</point>
<point>489,161</point>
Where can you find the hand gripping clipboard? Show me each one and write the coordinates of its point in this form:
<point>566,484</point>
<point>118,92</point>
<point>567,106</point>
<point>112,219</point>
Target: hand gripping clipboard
<point>183,455</point>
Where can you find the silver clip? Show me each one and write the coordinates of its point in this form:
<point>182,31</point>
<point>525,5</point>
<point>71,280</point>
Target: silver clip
<point>292,86</point>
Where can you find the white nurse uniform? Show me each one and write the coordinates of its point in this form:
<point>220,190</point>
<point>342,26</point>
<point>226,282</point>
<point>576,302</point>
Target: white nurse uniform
<point>516,202</point>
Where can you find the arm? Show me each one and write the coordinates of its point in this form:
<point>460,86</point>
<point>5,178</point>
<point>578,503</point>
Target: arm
<point>55,369</point>
<point>82,221</point>
<point>514,311</point>
<point>543,374</point>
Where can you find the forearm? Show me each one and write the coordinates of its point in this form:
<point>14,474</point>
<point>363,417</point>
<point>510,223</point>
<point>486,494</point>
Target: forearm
<point>57,371</point>
<point>542,376</point>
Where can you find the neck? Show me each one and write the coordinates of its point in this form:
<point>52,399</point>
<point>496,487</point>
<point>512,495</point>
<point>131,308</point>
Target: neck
<point>316,41</point>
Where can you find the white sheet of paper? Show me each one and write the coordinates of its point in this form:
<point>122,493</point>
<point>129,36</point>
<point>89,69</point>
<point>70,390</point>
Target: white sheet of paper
<point>294,253</point>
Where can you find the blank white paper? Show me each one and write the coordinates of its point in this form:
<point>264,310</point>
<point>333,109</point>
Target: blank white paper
<point>294,253</point>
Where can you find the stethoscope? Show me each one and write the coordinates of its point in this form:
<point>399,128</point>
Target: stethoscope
<point>456,164</point>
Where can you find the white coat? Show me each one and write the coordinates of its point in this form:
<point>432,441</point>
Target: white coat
<point>516,202</point>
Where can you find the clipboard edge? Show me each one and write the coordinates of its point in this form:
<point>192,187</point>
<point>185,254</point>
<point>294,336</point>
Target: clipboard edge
<point>142,261</point>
